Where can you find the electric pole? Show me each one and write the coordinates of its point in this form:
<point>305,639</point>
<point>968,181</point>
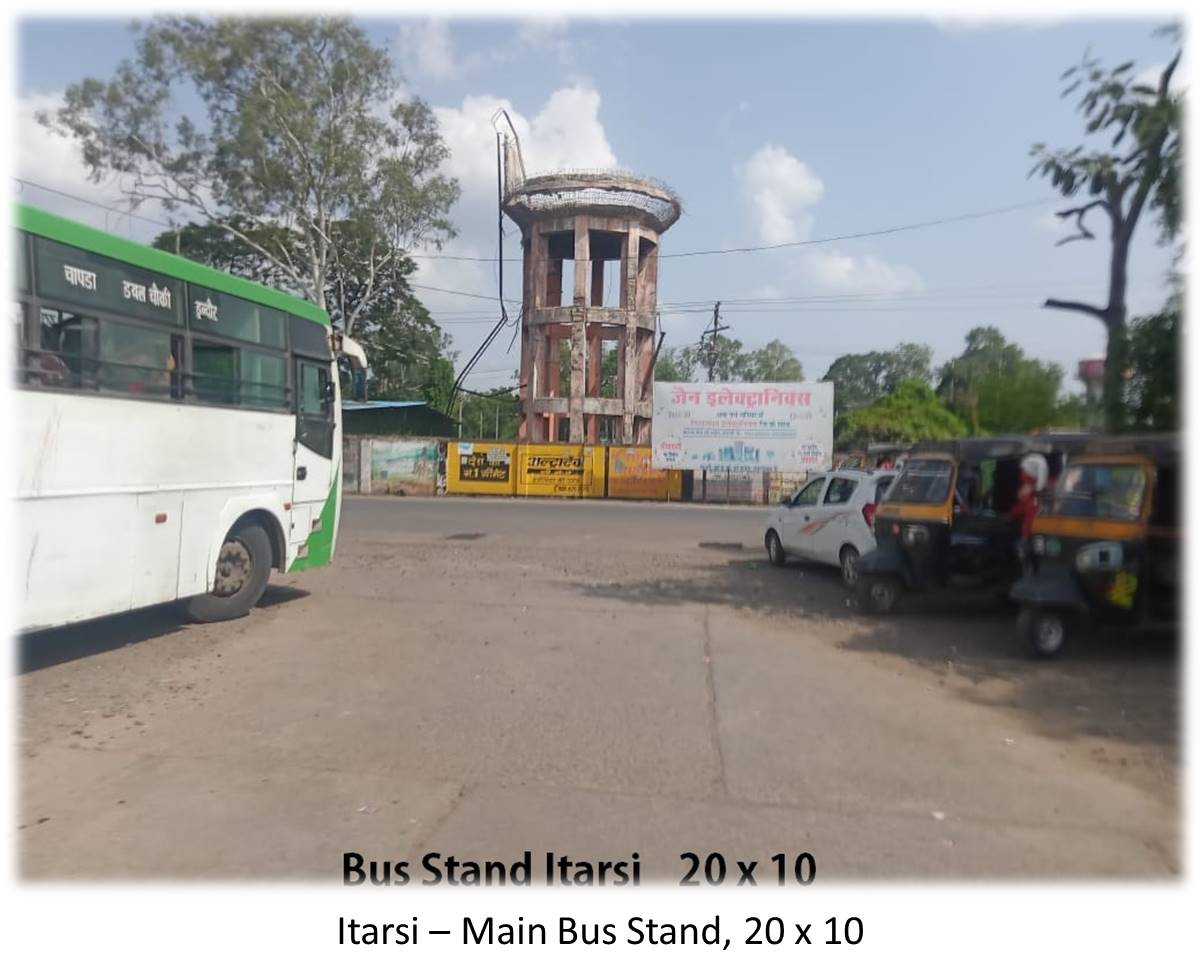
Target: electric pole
<point>708,344</point>
<point>708,341</point>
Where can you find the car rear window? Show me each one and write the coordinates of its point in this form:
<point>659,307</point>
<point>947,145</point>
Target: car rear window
<point>840,490</point>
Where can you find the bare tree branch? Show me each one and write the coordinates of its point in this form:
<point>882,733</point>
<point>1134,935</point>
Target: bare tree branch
<point>1088,308</point>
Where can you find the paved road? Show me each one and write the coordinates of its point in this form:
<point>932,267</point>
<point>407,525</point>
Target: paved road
<point>595,678</point>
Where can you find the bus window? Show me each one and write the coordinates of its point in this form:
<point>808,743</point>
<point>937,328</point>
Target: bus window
<point>315,426</point>
<point>63,359</point>
<point>263,380</point>
<point>313,381</point>
<point>136,360</point>
<point>214,372</point>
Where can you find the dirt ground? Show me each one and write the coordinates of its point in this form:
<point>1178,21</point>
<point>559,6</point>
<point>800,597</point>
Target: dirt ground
<point>484,677</point>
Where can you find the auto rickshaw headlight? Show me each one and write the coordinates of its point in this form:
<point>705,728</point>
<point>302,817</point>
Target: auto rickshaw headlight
<point>915,534</point>
<point>1037,544</point>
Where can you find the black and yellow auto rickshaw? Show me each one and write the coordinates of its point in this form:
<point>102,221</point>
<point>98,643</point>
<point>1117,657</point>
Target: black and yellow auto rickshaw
<point>1105,547</point>
<point>947,520</point>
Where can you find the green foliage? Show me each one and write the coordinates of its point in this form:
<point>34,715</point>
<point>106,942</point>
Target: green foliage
<point>675,364</point>
<point>773,362</point>
<point>300,128</point>
<point>910,413</point>
<point>860,379</point>
<point>1071,414</point>
<point>995,388</point>
<point>493,414</point>
<point>1155,358</point>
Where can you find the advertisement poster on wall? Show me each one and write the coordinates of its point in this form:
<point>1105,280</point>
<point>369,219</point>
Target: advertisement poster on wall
<point>759,426</point>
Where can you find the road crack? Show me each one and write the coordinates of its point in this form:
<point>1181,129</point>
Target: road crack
<point>710,695</point>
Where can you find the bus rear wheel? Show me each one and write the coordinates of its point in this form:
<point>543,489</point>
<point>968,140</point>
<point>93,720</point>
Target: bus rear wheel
<point>243,567</point>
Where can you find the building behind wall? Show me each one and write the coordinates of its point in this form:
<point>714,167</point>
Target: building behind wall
<point>590,288</point>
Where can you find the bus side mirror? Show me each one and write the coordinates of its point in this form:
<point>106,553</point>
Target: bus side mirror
<point>328,393</point>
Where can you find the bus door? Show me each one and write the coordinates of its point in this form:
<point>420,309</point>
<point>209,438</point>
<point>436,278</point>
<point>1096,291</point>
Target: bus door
<point>314,481</point>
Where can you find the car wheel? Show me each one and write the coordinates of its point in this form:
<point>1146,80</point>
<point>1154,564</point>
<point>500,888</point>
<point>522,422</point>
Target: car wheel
<point>243,567</point>
<point>878,593</point>
<point>849,561</point>
<point>1043,630</point>
<point>775,550</point>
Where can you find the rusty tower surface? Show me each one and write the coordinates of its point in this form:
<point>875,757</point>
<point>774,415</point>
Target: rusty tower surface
<point>605,228</point>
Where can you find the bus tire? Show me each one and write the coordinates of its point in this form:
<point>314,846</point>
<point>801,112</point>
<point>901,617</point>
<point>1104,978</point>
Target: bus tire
<point>243,567</point>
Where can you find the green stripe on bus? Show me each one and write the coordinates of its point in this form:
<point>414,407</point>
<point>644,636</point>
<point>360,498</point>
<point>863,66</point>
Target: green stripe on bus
<point>58,229</point>
<point>320,543</point>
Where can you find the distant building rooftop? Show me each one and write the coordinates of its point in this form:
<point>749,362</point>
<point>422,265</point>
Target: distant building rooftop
<point>396,418</point>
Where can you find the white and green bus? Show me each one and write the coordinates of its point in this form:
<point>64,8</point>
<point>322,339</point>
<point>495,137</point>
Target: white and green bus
<point>177,432</point>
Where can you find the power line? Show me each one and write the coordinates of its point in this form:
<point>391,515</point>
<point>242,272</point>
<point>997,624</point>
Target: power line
<point>26,182</point>
<point>971,216</point>
<point>913,226</point>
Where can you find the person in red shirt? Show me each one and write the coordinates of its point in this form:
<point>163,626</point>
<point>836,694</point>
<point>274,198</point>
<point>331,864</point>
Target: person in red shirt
<point>1025,507</point>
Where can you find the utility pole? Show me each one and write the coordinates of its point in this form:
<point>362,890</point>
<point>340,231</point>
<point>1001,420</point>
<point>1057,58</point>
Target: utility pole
<point>460,405</point>
<point>708,344</point>
<point>497,435</point>
<point>708,341</point>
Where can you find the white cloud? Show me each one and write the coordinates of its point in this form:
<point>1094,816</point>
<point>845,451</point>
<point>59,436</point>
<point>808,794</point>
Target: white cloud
<point>55,161</point>
<point>425,50</point>
<point>835,270</point>
<point>566,132</point>
<point>542,32</point>
<point>781,189</point>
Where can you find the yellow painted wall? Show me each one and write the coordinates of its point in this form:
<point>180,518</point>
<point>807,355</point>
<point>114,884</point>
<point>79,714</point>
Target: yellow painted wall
<point>560,471</point>
<point>630,476</point>
<point>481,467</point>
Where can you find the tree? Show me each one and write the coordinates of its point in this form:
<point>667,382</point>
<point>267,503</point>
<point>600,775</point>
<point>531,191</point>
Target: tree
<point>773,362</point>
<point>491,414</point>
<point>860,379</point>
<point>301,132</point>
<point>1139,169</point>
<point>729,362</point>
<point>674,364</point>
<point>910,413</point>
<point>996,388</point>
<point>1152,391</point>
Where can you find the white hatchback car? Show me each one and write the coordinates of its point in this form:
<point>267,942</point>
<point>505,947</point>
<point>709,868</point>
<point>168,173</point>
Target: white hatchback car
<point>831,519</point>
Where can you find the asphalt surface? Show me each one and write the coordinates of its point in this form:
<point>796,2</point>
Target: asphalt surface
<point>484,677</point>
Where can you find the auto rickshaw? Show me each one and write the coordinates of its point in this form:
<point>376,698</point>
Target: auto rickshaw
<point>947,520</point>
<point>1105,548</point>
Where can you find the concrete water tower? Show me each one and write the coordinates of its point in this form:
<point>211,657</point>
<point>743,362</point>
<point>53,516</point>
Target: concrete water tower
<point>590,288</point>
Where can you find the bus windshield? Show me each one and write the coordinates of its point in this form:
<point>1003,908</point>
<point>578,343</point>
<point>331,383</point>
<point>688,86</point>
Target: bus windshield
<point>923,481</point>
<point>1105,490</point>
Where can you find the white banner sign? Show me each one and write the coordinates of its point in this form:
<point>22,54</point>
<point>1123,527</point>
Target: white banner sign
<point>761,426</point>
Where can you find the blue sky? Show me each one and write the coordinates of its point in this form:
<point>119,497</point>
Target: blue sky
<point>770,131</point>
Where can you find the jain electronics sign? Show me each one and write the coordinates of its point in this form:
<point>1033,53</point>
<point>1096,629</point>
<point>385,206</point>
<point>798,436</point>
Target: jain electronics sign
<point>760,426</point>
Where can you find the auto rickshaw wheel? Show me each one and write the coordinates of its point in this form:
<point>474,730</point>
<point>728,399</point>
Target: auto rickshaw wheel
<point>1044,630</point>
<point>878,593</point>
